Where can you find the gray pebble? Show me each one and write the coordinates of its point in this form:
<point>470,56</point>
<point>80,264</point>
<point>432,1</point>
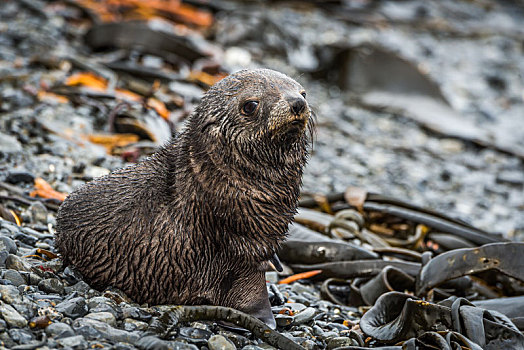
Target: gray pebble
<point>136,313</point>
<point>9,228</point>
<point>219,342</point>
<point>237,340</point>
<point>80,286</point>
<point>73,308</point>
<point>511,177</point>
<point>9,144</point>
<point>106,317</point>
<point>85,326</point>
<point>10,294</point>
<point>153,343</point>
<point>329,335</point>
<point>283,320</point>
<point>11,316</point>
<point>16,263</point>
<point>34,279</point>
<point>8,245</point>
<point>51,285</point>
<point>59,330</point>
<point>132,325</point>
<point>3,257</point>
<point>15,277</point>
<point>21,336</point>
<point>304,316</point>
<point>38,213</point>
<point>77,341</point>
<point>338,342</point>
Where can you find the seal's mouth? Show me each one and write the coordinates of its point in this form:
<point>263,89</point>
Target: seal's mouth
<point>293,126</point>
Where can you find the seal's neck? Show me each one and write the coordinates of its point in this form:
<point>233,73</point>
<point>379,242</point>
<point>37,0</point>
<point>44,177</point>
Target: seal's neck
<point>247,209</point>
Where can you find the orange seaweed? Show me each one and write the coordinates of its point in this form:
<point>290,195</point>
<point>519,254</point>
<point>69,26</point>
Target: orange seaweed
<point>299,276</point>
<point>88,79</point>
<point>112,141</point>
<point>44,190</point>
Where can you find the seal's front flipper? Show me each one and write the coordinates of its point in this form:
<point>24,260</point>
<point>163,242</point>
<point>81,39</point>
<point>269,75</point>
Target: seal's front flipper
<point>261,308</point>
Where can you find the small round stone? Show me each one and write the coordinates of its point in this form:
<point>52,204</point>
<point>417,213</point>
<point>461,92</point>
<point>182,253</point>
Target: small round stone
<point>219,342</point>
<point>51,285</point>
<point>106,317</point>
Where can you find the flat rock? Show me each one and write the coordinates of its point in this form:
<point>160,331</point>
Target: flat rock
<point>73,308</point>
<point>15,277</point>
<point>59,330</point>
<point>51,285</point>
<point>16,263</point>
<point>72,342</point>
<point>10,294</point>
<point>11,316</point>
<point>106,317</point>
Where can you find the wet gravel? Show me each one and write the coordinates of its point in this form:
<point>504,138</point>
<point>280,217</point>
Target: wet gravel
<point>44,306</point>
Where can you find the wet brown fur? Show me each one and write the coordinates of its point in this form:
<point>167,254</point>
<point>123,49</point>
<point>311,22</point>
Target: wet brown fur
<point>196,222</point>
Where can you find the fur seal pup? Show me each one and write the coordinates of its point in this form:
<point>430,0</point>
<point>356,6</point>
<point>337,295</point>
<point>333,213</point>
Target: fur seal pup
<point>199,221</point>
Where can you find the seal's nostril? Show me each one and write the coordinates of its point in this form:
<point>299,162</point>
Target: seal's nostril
<point>297,105</point>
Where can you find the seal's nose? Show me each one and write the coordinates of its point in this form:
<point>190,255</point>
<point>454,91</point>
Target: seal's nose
<point>297,105</point>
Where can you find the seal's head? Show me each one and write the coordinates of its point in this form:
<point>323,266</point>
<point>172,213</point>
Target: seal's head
<point>262,113</point>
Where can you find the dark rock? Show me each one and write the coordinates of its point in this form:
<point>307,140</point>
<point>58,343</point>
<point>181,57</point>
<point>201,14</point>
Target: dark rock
<point>131,324</point>
<point>21,336</point>
<point>94,329</point>
<point>51,285</point>
<point>3,257</point>
<point>238,340</point>
<point>10,294</point>
<point>38,212</point>
<point>7,244</point>
<point>73,308</point>
<point>59,330</point>
<point>15,277</point>
<point>81,287</point>
<point>340,342</point>
<point>16,177</point>
<point>6,340</point>
<point>72,276</point>
<point>136,313</point>
<point>104,305</point>
<point>26,239</point>
<point>76,341</point>
<point>154,343</point>
<point>33,279</point>
<point>194,335</point>
<point>283,320</point>
<point>11,316</point>
<point>16,263</point>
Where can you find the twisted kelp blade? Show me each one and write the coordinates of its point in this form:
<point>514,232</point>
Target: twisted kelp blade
<point>507,258</point>
<point>176,314</point>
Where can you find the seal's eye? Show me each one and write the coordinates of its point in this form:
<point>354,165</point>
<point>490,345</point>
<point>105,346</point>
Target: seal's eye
<point>249,107</point>
<point>303,94</point>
